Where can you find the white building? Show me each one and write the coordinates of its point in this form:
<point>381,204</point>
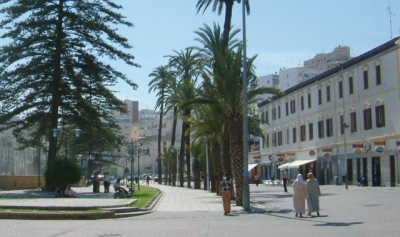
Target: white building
<point>304,129</point>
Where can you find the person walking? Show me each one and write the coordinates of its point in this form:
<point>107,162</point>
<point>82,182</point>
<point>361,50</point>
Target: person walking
<point>299,196</point>
<point>313,193</point>
<point>225,185</point>
<point>284,180</point>
<point>106,183</point>
<point>148,180</point>
<point>256,179</point>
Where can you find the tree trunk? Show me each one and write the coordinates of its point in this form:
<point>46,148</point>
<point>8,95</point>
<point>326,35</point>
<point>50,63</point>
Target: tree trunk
<point>175,157</point>
<point>196,173</point>
<point>181,157</point>
<point>216,158</point>
<point>226,150</point>
<point>159,140</point>
<point>237,154</point>
<point>187,148</point>
<point>55,96</point>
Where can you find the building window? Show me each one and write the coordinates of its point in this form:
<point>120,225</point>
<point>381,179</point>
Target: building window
<point>378,74</point>
<point>293,106</point>
<point>380,116</point>
<point>328,93</point>
<point>351,84</point>
<point>273,114</point>
<point>266,117</point>
<point>262,118</point>
<point>365,76</point>
<point>367,119</point>
<point>274,139</point>
<point>287,136</point>
<point>310,131</point>
<point>321,129</point>
<point>279,111</point>
<point>302,103</point>
<point>287,109</point>
<point>302,132</point>
<point>279,138</point>
<point>319,96</point>
<point>267,140</point>
<point>329,127</point>
<point>309,100</point>
<point>294,135</point>
<point>340,89</point>
<point>353,122</point>
<point>341,122</point>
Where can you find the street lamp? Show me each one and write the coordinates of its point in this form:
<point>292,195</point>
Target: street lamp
<point>132,147</point>
<point>77,134</point>
<point>141,139</point>
<point>246,188</point>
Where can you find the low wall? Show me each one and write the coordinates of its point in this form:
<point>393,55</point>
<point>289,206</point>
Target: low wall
<point>15,182</point>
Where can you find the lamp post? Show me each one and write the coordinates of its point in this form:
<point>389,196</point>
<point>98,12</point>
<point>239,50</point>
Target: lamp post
<point>77,134</point>
<point>246,189</point>
<point>141,139</point>
<point>132,147</point>
<point>344,126</point>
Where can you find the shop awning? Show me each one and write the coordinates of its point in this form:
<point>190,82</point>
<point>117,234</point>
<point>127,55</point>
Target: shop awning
<point>251,166</point>
<point>295,164</point>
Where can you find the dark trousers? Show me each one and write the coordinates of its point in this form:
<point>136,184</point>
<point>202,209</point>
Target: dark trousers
<point>284,185</point>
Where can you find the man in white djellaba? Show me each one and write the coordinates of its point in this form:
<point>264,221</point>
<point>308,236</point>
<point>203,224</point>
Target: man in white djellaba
<point>313,193</point>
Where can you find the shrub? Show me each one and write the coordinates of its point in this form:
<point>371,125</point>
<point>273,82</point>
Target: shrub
<point>62,171</point>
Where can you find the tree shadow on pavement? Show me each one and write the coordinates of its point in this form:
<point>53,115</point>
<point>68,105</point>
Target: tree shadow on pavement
<point>339,224</point>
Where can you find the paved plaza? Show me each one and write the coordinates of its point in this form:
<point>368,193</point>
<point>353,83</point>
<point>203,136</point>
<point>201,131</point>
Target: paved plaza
<point>357,211</point>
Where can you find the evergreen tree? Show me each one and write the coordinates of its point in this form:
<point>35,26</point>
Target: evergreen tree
<point>52,69</point>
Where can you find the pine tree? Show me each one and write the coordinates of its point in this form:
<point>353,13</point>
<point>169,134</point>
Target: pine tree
<point>53,69</point>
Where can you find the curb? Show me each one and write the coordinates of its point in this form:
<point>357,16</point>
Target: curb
<point>58,214</point>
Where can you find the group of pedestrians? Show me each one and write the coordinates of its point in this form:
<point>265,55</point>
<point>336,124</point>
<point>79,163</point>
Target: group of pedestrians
<point>303,191</point>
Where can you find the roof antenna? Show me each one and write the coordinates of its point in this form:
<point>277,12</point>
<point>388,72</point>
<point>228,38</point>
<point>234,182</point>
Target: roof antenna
<point>389,9</point>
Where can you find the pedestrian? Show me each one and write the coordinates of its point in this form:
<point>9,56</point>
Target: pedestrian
<point>257,179</point>
<point>69,192</point>
<point>58,193</point>
<point>299,196</point>
<point>284,180</point>
<point>313,193</point>
<point>225,185</point>
<point>106,183</point>
<point>148,180</point>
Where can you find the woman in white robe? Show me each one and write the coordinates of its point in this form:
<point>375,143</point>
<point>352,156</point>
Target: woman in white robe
<point>299,196</point>
<point>313,193</point>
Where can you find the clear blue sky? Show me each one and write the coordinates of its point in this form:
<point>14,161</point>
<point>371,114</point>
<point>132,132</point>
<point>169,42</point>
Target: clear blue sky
<point>283,33</point>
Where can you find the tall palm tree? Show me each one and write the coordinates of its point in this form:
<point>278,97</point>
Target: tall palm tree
<point>187,66</point>
<point>226,89</point>
<point>218,5</point>
<point>161,77</point>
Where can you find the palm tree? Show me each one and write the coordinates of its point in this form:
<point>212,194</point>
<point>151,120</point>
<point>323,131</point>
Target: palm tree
<point>218,5</point>
<point>162,76</point>
<point>187,66</point>
<point>226,89</point>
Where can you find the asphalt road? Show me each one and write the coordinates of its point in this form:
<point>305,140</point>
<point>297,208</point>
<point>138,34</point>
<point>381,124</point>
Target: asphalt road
<point>357,211</point>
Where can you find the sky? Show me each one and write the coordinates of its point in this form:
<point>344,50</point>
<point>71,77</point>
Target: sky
<point>283,33</point>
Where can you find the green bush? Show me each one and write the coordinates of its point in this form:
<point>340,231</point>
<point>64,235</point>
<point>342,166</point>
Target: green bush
<point>62,171</point>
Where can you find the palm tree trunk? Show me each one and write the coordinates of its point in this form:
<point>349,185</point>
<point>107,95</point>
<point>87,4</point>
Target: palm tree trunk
<point>187,148</point>
<point>227,24</point>
<point>159,141</point>
<point>237,154</point>
<point>226,150</point>
<point>217,165</point>
<point>196,173</point>
<point>174,158</point>
<point>181,156</point>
